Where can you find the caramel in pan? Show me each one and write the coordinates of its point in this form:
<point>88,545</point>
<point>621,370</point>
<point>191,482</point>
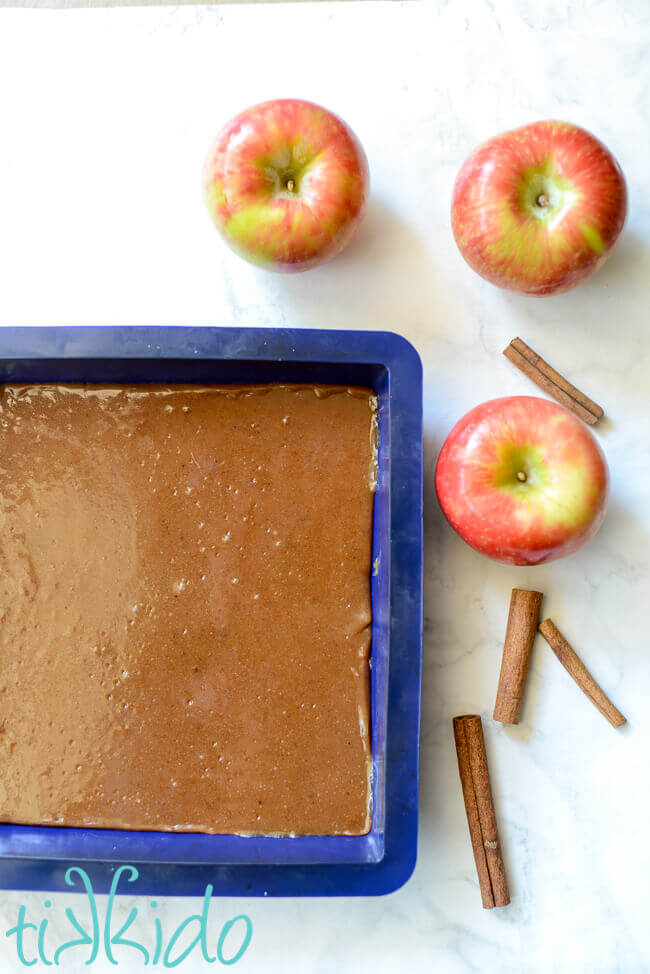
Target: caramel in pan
<point>185,607</point>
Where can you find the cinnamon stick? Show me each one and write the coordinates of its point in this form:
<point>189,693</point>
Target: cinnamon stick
<point>553,384</point>
<point>577,669</point>
<point>523,618</point>
<point>477,793</point>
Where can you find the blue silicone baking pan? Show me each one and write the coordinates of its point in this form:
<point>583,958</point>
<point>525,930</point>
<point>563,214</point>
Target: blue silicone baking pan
<point>183,864</point>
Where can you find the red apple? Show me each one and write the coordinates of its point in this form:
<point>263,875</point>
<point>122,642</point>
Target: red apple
<point>286,183</point>
<point>539,209</point>
<point>522,480</point>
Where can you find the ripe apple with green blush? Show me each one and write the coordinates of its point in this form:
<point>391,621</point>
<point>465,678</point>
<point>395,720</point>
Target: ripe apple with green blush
<point>522,480</point>
<point>539,209</point>
<point>286,183</point>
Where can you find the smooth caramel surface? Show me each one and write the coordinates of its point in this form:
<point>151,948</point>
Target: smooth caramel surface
<point>185,606</point>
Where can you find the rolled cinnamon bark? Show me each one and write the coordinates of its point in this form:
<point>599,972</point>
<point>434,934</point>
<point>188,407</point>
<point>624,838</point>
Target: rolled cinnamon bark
<point>577,669</point>
<point>479,807</point>
<point>554,384</point>
<point>523,618</point>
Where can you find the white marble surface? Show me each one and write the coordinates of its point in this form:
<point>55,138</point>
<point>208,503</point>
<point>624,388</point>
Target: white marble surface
<point>104,119</point>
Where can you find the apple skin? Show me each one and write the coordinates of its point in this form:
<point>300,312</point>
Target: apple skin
<point>554,512</point>
<point>286,183</point>
<point>544,247</point>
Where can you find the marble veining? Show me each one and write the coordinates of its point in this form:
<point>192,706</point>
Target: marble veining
<point>102,222</point>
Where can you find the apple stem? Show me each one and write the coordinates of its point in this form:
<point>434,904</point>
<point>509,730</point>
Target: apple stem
<point>521,476</point>
<point>290,185</point>
<point>542,200</point>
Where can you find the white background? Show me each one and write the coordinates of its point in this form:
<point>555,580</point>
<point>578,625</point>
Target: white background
<point>105,116</point>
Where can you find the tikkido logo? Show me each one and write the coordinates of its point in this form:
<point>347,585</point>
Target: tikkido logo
<point>33,942</point>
